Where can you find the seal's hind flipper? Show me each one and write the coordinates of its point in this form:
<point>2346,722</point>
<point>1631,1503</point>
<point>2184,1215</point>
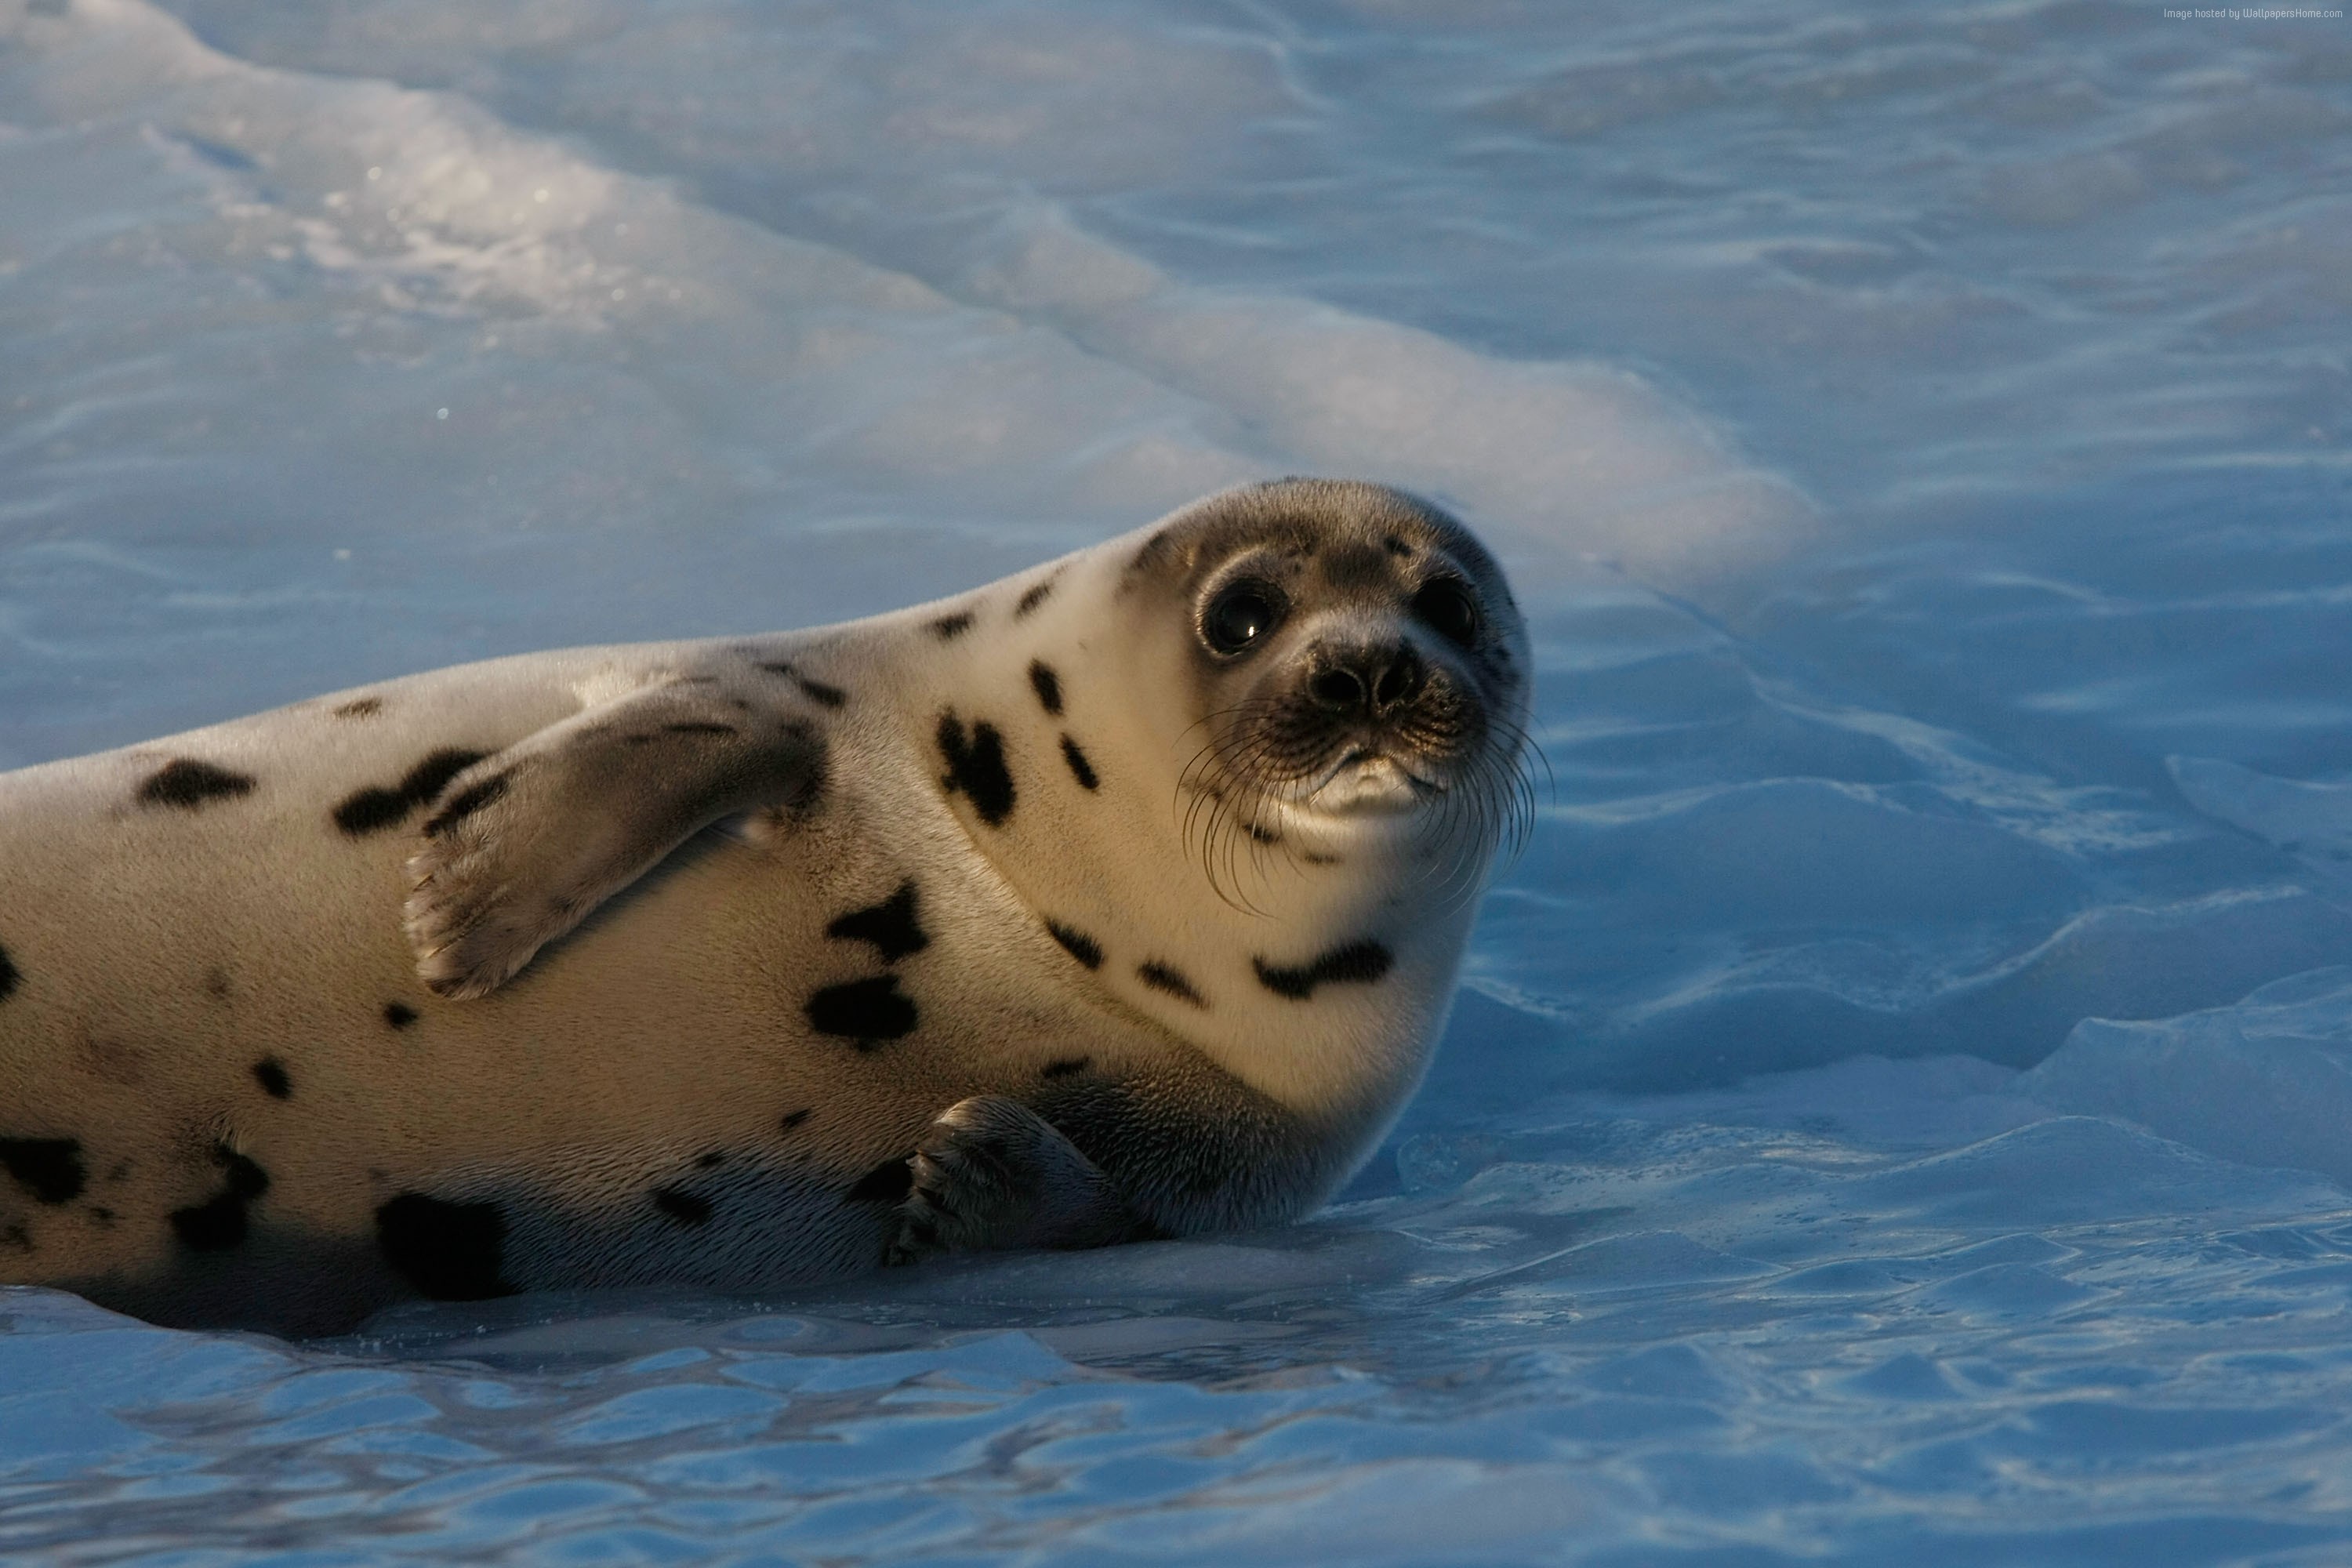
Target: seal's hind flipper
<point>524,844</point>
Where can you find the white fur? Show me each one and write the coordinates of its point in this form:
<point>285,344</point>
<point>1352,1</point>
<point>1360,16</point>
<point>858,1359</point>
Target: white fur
<point>162,951</point>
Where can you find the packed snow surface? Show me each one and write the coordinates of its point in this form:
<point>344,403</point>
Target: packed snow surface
<point>1899,1107</point>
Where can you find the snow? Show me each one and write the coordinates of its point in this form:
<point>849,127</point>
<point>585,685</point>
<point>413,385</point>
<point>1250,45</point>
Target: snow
<point>1895,1108</point>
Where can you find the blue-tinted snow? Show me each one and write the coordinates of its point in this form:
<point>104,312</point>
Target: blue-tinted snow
<point>1897,1108</point>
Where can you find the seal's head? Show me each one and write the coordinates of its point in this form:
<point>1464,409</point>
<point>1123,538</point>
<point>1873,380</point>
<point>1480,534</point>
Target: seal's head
<point>1357,668</point>
<point>1248,767</point>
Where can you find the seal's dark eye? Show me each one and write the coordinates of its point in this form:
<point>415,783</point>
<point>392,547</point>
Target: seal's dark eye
<point>1240,614</point>
<point>1445,607</point>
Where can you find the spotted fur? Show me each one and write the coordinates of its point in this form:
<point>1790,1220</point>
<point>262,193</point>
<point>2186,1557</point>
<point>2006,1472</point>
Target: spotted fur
<point>976,768</point>
<point>1076,943</point>
<point>865,1012</point>
<point>1358,962</point>
<point>50,1169</point>
<point>189,785</point>
<point>756,960</point>
<point>469,800</point>
<point>1046,685</point>
<point>890,926</point>
<point>221,1222</point>
<point>821,692</point>
<point>1172,981</point>
<point>376,807</point>
<point>1035,595</point>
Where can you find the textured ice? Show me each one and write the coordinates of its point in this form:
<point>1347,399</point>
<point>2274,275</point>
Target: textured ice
<point>1896,1109</point>
<point>2268,1081</point>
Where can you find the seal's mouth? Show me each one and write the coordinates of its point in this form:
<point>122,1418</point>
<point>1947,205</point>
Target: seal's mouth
<point>1356,750</point>
<point>1370,779</point>
<point>1304,748</point>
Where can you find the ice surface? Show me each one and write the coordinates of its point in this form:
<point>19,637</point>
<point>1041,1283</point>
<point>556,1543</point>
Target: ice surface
<point>2267,1082</point>
<point>1894,1112</point>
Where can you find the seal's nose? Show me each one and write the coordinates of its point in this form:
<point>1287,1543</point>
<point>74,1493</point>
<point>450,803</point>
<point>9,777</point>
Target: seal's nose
<point>1369,682</point>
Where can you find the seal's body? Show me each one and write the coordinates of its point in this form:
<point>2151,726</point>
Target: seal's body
<point>1120,897</point>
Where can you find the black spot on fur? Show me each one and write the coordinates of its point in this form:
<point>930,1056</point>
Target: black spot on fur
<point>824,694</point>
<point>431,776</point>
<point>977,768</point>
<point>886,1183</point>
<point>468,801</point>
<point>687,1208</point>
<point>1358,962</point>
<point>361,708</point>
<point>188,785</point>
<point>947,629</point>
<point>1166,977</point>
<point>1066,1067</point>
<point>1078,944</point>
<point>101,1214</point>
<point>711,1161</point>
<point>9,976</point>
<point>1080,769</point>
<point>245,1179</point>
<point>216,984</point>
<point>376,808</point>
<point>865,1011</point>
<point>889,925</point>
<point>1048,685</point>
<point>18,1238</point>
<point>220,1222</point>
<point>698,727</point>
<point>270,1074</point>
<point>399,1014</point>
<point>1264,835</point>
<point>49,1168</point>
<point>369,810</point>
<point>793,1118</point>
<point>1036,596</point>
<point>450,1252</point>
<point>1397,546</point>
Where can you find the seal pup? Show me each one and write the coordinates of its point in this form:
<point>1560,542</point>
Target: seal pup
<point>1121,898</point>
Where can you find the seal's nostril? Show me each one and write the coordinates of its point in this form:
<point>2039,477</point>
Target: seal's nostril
<point>1338,688</point>
<point>1398,683</point>
<point>1369,682</point>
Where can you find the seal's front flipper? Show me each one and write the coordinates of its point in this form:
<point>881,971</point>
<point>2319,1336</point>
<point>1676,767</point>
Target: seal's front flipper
<point>523,844</point>
<point>991,1172</point>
